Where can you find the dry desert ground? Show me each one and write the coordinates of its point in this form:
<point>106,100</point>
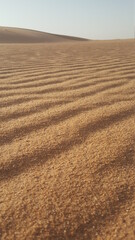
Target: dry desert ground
<point>67,140</point>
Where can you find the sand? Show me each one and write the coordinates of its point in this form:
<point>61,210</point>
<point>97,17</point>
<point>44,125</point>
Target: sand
<point>67,140</point>
<point>19,35</point>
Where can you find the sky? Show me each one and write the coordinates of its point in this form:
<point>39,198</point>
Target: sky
<point>92,19</point>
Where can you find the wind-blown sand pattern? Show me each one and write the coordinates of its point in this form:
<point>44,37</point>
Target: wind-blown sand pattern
<point>67,140</point>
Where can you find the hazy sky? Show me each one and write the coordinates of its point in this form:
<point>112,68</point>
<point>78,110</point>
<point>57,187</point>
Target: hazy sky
<point>94,19</point>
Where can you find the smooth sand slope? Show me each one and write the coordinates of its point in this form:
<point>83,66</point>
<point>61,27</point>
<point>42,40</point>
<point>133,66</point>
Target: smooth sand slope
<point>67,141</point>
<point>18,35</point>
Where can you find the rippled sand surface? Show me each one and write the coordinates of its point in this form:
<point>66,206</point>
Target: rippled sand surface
<point>67,140</point>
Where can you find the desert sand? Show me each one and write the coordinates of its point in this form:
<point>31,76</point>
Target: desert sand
<point>19,35</point>
<point>67,140</point>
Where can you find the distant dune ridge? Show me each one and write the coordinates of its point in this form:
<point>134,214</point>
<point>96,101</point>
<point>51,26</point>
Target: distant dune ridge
<point>18,35</point>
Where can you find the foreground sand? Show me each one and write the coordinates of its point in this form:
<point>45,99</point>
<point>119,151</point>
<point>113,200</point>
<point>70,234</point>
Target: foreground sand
<point>67,141</point>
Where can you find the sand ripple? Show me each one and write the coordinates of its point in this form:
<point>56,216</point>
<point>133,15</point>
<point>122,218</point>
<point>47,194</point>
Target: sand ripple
<point>67,140</point>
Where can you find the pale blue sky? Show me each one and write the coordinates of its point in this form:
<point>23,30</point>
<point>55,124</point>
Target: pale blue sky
<point>93,19</point>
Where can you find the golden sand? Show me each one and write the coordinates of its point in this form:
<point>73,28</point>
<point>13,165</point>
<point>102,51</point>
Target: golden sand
<point>67,141</point>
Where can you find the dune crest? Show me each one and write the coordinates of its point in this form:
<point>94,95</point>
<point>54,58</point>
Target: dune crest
<point>18,35</point>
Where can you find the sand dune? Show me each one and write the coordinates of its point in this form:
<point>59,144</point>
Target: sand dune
<point>18,35</point>
<point>67,140</point>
